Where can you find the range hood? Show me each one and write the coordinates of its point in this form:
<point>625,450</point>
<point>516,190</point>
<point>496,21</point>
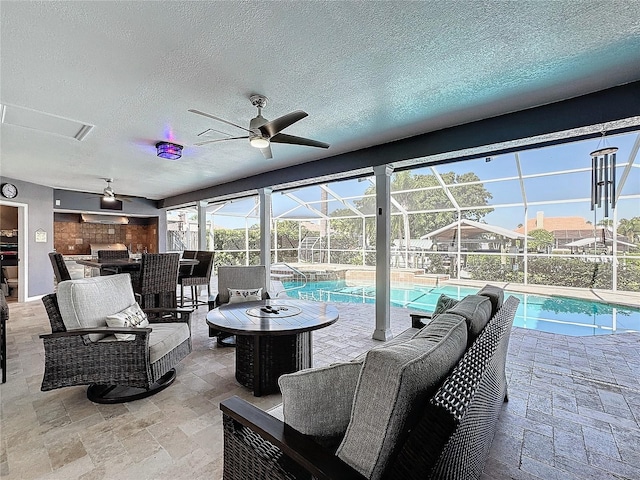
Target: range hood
<point>104,219</point>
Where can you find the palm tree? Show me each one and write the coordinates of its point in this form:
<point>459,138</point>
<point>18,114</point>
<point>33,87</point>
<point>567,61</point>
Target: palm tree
<point>630,228</point>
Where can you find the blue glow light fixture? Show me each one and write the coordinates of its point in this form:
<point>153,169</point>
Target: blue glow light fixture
<point>169,150</point>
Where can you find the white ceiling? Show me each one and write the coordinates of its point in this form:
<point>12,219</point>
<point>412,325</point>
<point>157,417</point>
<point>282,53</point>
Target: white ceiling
<point>366,72</point>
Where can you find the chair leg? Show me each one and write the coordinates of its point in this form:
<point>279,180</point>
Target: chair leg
<point>194,296</point>
<point>181,295</point>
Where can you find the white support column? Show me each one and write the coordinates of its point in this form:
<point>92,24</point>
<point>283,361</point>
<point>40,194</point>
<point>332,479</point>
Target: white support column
<point>275,241</point>
<point>364,240</point>
<point>264,195</point>
<point>202,226</point>
<point>383,252</point>
<point>614,251</point>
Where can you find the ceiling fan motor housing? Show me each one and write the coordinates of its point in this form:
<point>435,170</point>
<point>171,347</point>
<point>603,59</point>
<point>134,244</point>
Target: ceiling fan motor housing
<point>258,101</point>
<point>256,138</point>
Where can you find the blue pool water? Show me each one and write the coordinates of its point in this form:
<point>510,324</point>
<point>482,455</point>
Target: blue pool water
<point>563,315</point>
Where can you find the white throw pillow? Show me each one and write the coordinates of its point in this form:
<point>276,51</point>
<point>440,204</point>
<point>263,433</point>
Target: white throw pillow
<point>237,295</point>
<point>132,316</point>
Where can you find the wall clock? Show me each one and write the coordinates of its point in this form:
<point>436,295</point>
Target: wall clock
<point>9,190</point>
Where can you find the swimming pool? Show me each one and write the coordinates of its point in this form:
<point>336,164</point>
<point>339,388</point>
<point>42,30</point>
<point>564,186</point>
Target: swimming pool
<point>563,315</point>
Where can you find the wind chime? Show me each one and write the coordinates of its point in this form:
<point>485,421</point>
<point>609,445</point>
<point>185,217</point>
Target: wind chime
<point>603,178</point>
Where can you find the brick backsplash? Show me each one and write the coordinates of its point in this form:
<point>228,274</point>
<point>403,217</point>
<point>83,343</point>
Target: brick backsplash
<point>71,238</point>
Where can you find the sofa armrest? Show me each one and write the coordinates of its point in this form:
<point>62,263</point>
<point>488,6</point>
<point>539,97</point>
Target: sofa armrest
<point>420,319</point>
<point>298,447</point>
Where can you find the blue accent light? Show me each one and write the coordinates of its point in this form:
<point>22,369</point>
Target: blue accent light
<point>169,150</point>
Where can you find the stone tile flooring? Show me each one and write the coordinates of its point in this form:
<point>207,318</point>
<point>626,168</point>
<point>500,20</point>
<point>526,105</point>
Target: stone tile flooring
<point>574,409</point>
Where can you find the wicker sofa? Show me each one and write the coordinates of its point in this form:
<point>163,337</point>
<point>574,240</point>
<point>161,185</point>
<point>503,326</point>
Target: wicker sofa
<point>424,405</point>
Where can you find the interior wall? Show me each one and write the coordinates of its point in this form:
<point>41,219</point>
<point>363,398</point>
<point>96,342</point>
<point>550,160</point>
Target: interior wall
<point>74,237</point>
<point>156,218</point>
<point>39,200</point>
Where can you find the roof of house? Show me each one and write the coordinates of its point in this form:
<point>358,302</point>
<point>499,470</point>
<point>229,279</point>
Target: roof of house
<point>470,229</point>
<point>553,224</point>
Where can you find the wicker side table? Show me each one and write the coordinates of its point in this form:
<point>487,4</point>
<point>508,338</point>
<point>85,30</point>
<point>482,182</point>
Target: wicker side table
<point>277,355</point>
<point>270,344</point>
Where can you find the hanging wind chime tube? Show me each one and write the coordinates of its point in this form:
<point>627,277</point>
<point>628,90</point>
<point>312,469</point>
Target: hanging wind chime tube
<point>603,178</point>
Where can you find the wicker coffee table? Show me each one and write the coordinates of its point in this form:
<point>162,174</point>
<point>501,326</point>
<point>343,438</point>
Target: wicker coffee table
<point>273,337</point>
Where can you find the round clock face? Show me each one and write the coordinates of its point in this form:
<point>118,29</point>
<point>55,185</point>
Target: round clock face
<point>9,190</point>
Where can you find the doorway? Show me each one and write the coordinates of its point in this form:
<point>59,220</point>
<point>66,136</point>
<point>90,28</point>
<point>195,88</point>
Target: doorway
<point>13,250</point>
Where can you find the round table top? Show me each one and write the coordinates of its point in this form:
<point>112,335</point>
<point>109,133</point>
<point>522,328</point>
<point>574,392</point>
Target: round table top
<point>260,317</point>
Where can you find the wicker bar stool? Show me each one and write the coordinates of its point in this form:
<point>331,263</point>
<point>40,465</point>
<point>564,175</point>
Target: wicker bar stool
<point>112,255</point>
<point>59,267</point>
<point>201,275</point>
<point>157,284</point>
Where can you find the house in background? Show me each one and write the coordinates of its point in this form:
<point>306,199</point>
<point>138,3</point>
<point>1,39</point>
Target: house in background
<point>576,234</point>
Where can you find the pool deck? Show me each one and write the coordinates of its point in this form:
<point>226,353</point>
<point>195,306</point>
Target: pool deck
<point>627,299</point>
<point>573,410</point>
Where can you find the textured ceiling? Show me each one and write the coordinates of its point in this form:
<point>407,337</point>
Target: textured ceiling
<point>366,72</point>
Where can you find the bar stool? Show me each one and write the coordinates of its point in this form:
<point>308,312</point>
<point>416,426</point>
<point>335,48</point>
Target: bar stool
<point>201,275</point>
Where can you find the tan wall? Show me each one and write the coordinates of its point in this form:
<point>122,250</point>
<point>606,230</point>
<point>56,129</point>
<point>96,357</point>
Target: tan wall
<point>76,238</point>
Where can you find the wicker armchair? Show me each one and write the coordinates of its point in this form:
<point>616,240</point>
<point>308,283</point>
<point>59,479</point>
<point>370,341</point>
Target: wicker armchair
<point>59,267</point>
<point>444,436</point>
<point>236,277</point>
<point>83,350</point>
<point>198,276</point>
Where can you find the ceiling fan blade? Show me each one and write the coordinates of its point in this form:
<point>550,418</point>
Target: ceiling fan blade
<point>217,118</point>
<point>219,140</point>
<point>276,126</point>
<point>291,139</point>
<point>266,151</point>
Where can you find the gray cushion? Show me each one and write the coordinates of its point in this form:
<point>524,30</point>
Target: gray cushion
<point>277,412</point>
<point>439,326</point>
<point>495,294</point>
<point>86,302</point>
<point>237,277</point>
<point>476,309</point>
<point>317,401</point>
<point>443,304</point>
<point>393,384</point>
<point>164,337</point>
<point>403,337</point>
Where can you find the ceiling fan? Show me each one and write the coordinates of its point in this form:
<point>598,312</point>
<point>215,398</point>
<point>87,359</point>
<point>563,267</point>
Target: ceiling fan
<point>109,195</point>
<point>263,132</point>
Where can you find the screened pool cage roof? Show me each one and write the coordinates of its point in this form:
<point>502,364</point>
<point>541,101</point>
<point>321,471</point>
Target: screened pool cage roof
<point>544,178</point>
